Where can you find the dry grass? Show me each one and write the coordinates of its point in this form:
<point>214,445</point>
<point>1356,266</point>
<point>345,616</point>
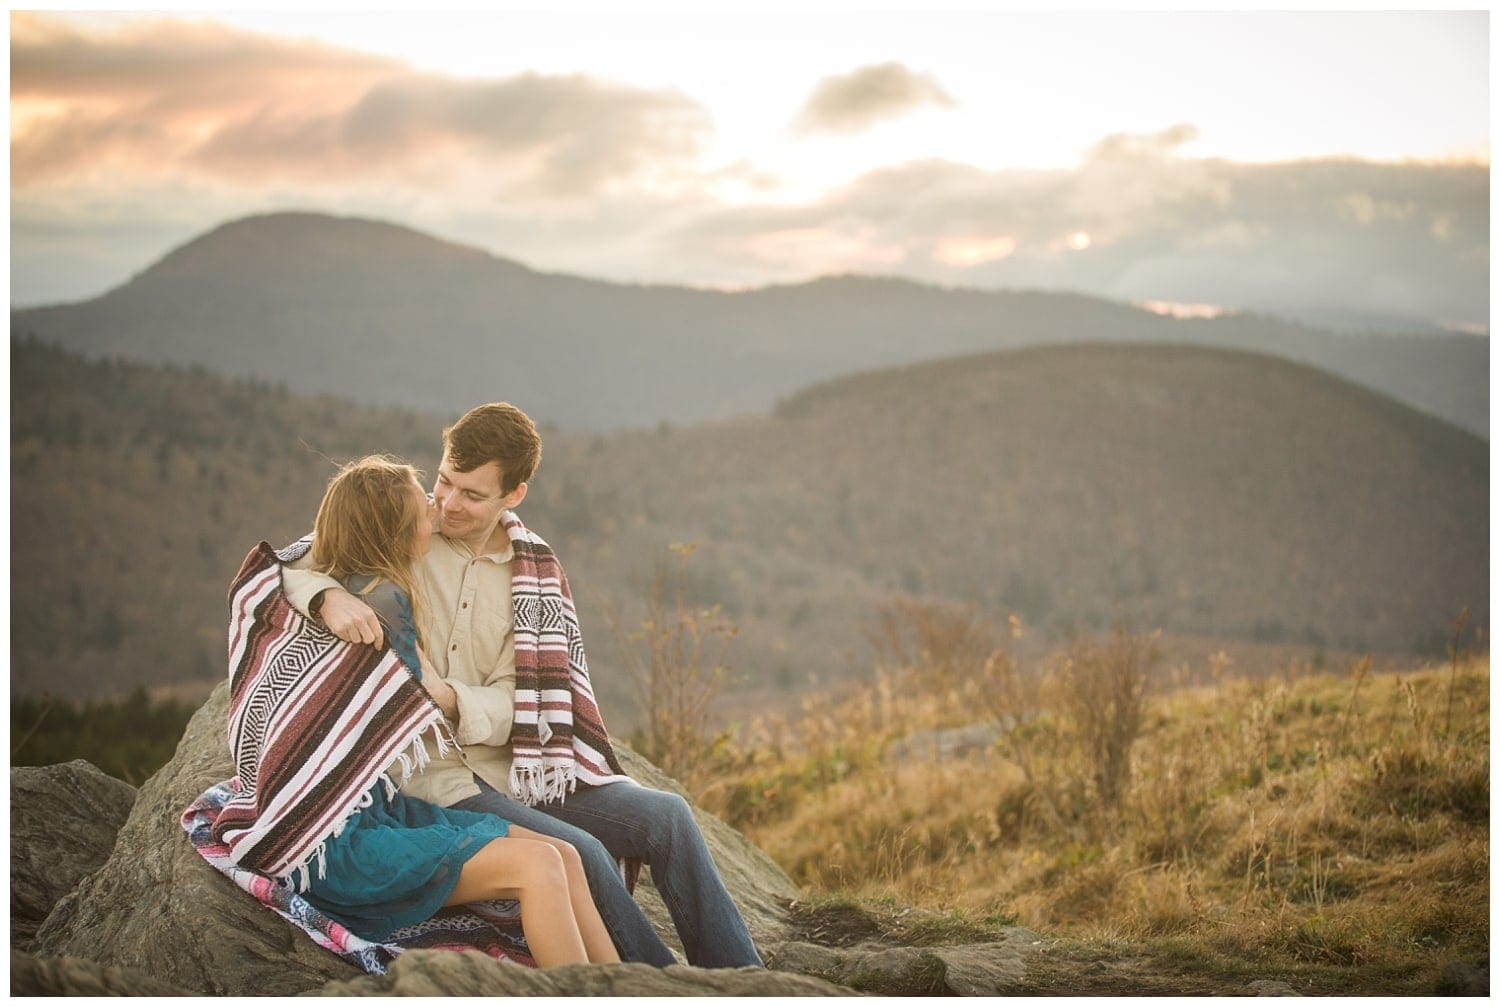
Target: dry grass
<point>1333,820</point>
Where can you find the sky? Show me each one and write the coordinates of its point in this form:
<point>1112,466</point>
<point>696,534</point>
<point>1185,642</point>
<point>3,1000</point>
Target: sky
<point>1311,164</point>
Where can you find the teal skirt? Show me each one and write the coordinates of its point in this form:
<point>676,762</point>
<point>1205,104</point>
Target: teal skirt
<point>396,863</point>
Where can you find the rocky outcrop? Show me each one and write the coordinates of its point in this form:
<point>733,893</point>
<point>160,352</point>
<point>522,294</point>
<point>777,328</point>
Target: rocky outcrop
<point>78,977</point>
<point>1465,980</point>
<point>436,973</point>
<point>987,969</point>
<point>63,823</point>
<point>156,908</point>
<point>143,914</point>
<point>761,889</point>
<point>1270,988</point>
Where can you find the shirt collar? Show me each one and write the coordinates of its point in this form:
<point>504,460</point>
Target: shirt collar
<point>461,549</point>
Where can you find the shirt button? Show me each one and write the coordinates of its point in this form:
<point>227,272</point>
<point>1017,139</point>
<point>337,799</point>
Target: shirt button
<point>465,605</point>
<point>455,646</point>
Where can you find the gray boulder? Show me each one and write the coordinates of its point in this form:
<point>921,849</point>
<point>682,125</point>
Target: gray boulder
<point>761,889</point>
<point>1463,979</point>
<point>987,969</point>
<point>1271,988</point>
<point>63,824</point>
<point>156,907</point>
<point>76,977</point>
<point>434,973</point>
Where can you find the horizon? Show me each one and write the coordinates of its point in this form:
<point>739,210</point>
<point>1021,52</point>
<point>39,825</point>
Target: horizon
<point>1172,309</point>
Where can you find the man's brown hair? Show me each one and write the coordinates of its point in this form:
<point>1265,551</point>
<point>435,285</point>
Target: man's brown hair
<point>497,432</point>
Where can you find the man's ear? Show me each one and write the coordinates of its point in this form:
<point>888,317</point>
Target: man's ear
<point>516,496</point>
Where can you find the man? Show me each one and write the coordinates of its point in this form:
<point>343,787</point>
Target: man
<point>466,583</point>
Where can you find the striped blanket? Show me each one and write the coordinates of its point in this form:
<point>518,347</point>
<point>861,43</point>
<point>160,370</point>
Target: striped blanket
<point>313,724</point>
<point>493,928</point>
<point>558,738</point>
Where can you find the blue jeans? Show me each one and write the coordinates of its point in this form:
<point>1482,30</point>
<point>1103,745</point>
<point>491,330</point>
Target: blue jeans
<point>622,820</point>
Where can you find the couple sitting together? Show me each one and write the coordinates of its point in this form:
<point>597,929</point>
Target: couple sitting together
<point>432,645</point>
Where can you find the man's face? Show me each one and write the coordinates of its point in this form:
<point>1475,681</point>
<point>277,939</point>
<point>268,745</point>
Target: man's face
<point>469,504</point>
<point>423,541</point>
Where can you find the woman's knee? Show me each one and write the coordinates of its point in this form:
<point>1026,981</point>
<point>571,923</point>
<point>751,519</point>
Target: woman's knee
<point>571,858</point>
<point>539,863</point>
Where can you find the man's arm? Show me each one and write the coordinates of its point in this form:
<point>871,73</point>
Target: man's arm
<point>319,596</point>
<point>483,714</point>
<point>439,689</point>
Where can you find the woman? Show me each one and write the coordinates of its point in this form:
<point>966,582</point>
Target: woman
<point>398,860</point>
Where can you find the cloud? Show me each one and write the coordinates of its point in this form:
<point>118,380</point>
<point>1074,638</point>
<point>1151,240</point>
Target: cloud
<point>1135,222</point>
<point>565,136</point>
<point>129,141</point>
<point>1143,146</point>
<point>855,101</point>
<point>167,98</point>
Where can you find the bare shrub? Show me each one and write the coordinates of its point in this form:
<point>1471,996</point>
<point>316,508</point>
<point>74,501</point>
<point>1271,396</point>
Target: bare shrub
<point>1014,697</point>
<point>1103,688</point>
<point>677,660</point>
<point>941,644</point>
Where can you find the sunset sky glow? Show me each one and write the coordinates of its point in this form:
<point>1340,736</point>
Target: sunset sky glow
<point>1185,157</point>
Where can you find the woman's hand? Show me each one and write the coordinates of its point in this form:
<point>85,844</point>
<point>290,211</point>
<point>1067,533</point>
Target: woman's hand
<point>350,619</point>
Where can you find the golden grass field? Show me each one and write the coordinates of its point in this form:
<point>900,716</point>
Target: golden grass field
<point>1330,828</point>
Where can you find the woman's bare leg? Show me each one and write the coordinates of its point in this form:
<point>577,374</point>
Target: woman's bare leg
<point>596,939</point>
<point>517,867</point>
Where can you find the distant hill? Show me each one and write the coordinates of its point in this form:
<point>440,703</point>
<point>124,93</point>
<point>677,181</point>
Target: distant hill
<point>1210,492</point>
<point>137,491</point>
<point>1215,493</point>
<point>383,314</point>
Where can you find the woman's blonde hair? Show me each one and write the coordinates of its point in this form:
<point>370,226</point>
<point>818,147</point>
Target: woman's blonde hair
<point>367,524</point>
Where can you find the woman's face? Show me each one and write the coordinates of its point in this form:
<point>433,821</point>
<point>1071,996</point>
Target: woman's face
<point>427,515</point>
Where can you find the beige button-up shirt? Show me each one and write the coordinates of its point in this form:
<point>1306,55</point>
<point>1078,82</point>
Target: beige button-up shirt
<point>467,633</point>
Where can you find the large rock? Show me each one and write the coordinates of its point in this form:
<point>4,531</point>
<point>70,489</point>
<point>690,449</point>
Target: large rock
<point>761,889</point>
<point>76,977</point>
<point>63,824</point>
<point>156,907</point>
<point>434,973</point>
<point>987,969</point>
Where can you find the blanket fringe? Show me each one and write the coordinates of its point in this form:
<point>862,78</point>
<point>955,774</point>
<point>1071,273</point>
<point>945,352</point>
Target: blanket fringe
<point>413,761</point>
<point>442,740</point>
<point>532,784</point>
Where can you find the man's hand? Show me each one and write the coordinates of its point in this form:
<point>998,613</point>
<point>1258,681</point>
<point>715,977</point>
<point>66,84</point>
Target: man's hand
<point>350,619</point>
<point>443,694</point>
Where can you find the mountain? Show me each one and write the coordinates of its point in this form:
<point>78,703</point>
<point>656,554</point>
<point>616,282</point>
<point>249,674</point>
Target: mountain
<point>1211,492</point>
<point>1218,493</point>
<point>382,314</point>
<point>138,490</point>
